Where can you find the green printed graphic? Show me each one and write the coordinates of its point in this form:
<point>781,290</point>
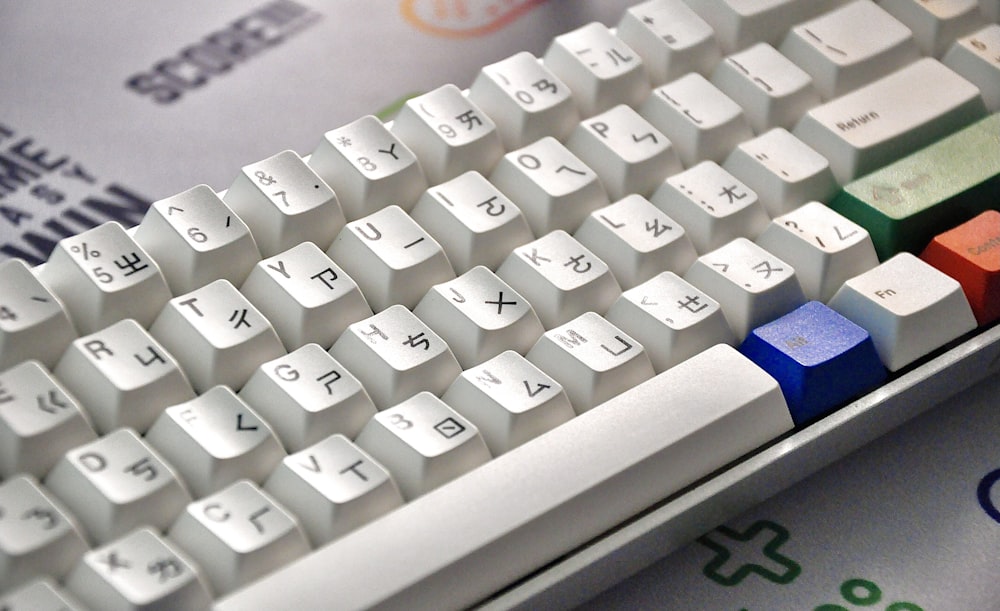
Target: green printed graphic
<point>865,593</point>
<point>771,537</point>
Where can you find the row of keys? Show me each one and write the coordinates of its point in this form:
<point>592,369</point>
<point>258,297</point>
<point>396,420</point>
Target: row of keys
<point>125,376</point>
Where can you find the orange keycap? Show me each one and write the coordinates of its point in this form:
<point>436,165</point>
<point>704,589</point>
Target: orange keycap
<point>970,253</point>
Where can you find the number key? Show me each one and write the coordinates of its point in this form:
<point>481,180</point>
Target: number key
<point>600,69</point>
<point>525,99</point>
<point>33,322</point>
<point>285,203</point>
<point>197,238</point>
<point>449,134</point>
<point>103,276</point>
<point>368,167</point>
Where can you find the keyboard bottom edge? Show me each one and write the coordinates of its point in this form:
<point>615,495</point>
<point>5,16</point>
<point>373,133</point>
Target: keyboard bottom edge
<point>675,522</point>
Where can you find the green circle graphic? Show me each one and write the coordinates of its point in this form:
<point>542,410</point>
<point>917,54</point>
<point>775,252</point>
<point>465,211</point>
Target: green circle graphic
<point>871,595</point>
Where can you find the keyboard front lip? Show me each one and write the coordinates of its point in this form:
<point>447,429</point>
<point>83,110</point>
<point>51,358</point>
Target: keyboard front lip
<point>582,572</point>
<point>676,521</point>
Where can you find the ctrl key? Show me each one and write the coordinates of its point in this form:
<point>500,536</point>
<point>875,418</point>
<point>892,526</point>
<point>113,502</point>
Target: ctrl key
<point>970,253</point>
<point>819,358</point>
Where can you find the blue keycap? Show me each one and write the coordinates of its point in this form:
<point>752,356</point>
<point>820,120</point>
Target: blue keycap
<point>820,359</point>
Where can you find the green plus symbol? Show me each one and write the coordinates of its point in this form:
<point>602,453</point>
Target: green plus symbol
<point>760,543</point>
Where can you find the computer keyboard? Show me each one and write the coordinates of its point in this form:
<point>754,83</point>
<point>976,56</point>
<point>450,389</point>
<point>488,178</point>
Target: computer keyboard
<point>490,351</point>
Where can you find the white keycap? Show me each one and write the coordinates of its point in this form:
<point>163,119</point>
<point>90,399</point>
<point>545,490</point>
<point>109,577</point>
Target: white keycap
<point>391,258</point>
<point>908,307</point>
<point>680,425</point>
<point>560,278</point>
<point>772,90</point>
<point>395,356</point>
<point>479,316</point>
<point>448,133</point>
<point>117,483</point>
<point>216,335</point>
<point>592,359</point>
<point>237,535</point>
<point>671,39</point>
<point>849,47</point>
<point>38,537</point>
<point>139,571</point>
<point>784,171</point>
<point>510,401</point>
<point>307,396</point>
<point>122,376</point>
<point>368,168</point>
<point>600,69</point>
<point>674,320</point>
<point>702,122</point>
<point>825,248</point>
<point>472,220</point>
<point>102,276</point>
<point>740,23</point>
<point>637,240</point>
<point>215,440</point>
<point>977,58</point>
<point>306,296</point>
<point>628,154</point>
<point>551,186</point>
<point>880,122</point>
<point>284,203</point>
<point>39,420</point>
<point>333,487</point>
<point>39,595</point>
<point>752,285</point>
<point>936,24</point>
<point>525,99</point>
<point>196,238</point>
<point>33,322</point>
<point>424,443</point>
<point>712,206</point>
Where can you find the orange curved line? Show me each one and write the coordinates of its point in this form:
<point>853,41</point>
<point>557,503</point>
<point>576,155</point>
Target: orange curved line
<point>407,9</point>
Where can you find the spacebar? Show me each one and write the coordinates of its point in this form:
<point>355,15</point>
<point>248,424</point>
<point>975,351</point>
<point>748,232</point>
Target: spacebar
<point>464,541</point>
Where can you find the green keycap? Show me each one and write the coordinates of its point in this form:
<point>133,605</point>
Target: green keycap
<point>905,204</point>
